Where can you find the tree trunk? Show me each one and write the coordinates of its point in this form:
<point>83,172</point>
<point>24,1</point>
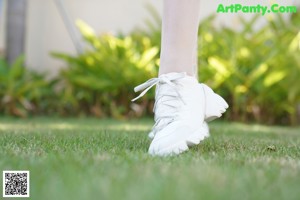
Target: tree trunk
<point>15,29</point>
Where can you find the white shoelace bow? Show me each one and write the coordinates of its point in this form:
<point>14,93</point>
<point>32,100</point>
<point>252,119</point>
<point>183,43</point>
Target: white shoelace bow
<point>163,79</point>
<point>154,81</point>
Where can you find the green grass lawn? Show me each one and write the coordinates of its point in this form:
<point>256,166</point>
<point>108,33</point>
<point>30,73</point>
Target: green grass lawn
<point>107,159</point>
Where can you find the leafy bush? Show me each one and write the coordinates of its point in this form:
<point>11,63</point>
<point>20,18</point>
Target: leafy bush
<point>101,80</point>
<point>256,70</point>
<point>22,91</point>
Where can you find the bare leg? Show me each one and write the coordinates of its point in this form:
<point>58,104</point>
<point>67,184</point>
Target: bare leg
<point>179,36</point>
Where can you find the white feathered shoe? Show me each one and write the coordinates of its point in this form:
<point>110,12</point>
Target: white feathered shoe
<point>214,107</point>
<point>182,108</point>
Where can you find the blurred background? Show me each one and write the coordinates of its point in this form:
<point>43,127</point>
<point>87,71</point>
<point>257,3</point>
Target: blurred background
<point>84,57</point>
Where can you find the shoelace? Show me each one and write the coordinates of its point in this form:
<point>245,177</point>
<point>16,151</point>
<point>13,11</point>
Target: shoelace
<point>163,79</point>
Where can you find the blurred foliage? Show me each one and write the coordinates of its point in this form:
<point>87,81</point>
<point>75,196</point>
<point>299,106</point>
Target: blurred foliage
<point>256,70</point>
<point>23,91</point>
<point>101,80</point>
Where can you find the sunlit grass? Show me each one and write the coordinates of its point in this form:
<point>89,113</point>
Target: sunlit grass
<point>70,124</point>
<point>107,159</point>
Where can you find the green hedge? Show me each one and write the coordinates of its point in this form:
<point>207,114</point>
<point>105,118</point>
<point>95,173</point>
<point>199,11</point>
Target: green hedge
<point>24,92</point>
<point>257,71</point>
<point>101,80</point>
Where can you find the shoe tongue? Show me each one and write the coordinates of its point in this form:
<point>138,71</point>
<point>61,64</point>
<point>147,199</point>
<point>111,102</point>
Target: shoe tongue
<point>186,79</point>
<point>172,74</point>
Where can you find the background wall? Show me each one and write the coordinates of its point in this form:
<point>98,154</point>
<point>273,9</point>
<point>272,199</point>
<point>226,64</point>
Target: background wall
<point>46,31</point>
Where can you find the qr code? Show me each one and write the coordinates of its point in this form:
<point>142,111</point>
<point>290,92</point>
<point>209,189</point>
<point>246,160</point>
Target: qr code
<point>15,183</point>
